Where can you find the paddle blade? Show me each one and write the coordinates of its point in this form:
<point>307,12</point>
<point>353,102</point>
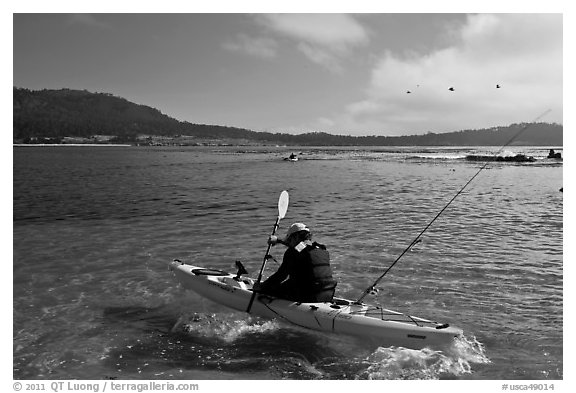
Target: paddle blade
<point>283,204</point>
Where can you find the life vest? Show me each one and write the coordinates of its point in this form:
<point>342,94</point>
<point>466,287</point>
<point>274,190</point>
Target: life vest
<point>319,273</point>
<point>304,276</point>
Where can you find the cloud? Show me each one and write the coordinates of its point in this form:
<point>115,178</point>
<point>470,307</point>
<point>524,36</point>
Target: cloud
<point>256,46</point>
<point>88,20</point>
<point>520,52</point>
<point>321,57</point>
<point>335,31</point>
<point>325,39</point>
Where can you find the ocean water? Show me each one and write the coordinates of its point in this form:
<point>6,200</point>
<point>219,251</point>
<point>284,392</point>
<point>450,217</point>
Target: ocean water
<point>94,229</point>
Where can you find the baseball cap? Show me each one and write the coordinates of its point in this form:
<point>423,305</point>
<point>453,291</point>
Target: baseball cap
<point>296,227</point>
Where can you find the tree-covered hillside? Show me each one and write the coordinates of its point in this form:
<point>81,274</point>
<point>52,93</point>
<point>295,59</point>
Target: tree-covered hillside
<point>79,113</point>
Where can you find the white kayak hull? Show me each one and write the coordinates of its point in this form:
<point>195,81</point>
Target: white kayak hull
<point>378,325</point>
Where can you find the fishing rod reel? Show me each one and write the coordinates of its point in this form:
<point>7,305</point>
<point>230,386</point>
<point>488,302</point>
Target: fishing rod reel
<point>373,291</point>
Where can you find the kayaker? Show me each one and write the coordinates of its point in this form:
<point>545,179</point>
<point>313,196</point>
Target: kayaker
<point>305,274</point>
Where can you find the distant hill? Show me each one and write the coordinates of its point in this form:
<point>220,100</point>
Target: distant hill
<point>63,113</point>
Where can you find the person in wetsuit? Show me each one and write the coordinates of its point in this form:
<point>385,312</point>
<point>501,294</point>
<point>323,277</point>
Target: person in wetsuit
<point>305,274</point>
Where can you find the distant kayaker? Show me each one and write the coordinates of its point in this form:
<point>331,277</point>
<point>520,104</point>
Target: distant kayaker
<point>305,274</point>
<point>553,154</point>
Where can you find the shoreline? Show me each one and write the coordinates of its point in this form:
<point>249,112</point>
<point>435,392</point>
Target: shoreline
<point>67,144</point>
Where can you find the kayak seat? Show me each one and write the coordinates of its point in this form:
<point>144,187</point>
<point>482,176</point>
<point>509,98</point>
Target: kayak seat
<point>327,293</point>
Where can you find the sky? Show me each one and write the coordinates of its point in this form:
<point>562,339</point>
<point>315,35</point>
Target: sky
<point>341,73</point>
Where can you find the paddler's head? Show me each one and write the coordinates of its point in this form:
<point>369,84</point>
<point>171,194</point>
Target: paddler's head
<point>297,233</point>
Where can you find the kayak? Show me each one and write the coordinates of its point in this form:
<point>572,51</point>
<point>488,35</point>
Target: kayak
<point>373,323</point>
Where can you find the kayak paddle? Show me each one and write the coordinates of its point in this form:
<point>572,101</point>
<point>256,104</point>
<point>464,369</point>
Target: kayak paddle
<point>282,209</point>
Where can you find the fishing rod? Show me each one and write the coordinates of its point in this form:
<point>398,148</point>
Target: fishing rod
<point>372,287</point>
